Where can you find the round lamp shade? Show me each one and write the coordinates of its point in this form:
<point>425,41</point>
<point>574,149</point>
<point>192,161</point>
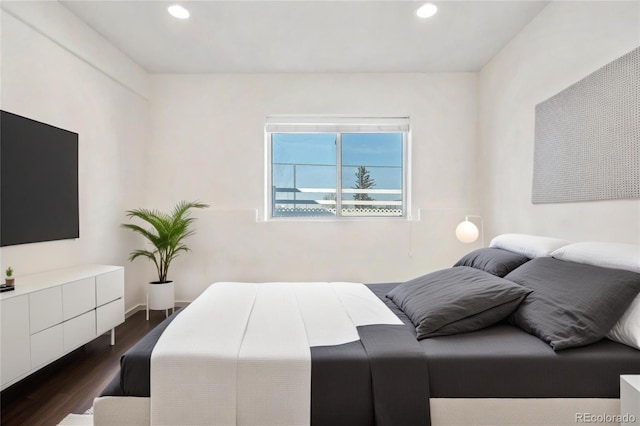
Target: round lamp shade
<point>467,232</point>
<point>427,10</point>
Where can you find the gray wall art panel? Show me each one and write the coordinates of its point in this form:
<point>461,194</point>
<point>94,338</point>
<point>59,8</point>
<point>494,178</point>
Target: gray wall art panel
<point>587,137</point>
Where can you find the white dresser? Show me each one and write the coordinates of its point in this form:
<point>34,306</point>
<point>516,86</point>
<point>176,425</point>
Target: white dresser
<point>52,313</point>
<point>630,399</point>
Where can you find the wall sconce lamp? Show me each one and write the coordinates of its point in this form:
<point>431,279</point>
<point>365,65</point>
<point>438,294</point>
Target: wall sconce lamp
<point>467,231</point>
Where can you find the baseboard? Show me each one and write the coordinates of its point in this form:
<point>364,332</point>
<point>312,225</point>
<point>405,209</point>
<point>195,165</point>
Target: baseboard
<point>143,307</point>
<point>133,310</point>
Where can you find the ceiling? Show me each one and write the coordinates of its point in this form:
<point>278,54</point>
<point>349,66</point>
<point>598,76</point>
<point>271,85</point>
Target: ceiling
<point>307,36</point>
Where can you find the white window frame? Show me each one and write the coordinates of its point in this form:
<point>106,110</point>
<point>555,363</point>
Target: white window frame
<point>338,125</point>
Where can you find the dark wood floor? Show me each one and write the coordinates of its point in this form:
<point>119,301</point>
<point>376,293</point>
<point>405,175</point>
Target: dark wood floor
<point>69,384</point>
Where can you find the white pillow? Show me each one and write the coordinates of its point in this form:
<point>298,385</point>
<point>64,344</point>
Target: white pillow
<point>531,246</point>
<point>627,329</point>
<point>616,256</point>
<point>607,255</point>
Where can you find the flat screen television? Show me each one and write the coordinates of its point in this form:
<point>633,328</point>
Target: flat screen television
<point>38,181</point>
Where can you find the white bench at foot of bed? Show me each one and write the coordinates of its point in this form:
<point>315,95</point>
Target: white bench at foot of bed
<point>121,410</point>
<point>521,412</point>
<point>110,410</point>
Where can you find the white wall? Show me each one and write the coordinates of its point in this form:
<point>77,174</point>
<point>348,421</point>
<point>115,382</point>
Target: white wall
<point>566,42</point>
<point>201,137</point>
<point>207,134</point>
<point>47,78</point>
<point>205,141</point>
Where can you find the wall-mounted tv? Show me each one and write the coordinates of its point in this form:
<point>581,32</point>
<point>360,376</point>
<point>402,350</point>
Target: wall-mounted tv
<point>38,181</point>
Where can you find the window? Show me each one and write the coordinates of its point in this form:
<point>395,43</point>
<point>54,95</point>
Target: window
<point>337,167</point>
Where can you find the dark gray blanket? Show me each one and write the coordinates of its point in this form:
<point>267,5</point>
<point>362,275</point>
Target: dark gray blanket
<point>134,377</point>
<point>380,380</point>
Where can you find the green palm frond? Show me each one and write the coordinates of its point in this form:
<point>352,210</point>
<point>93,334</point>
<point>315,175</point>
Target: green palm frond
<point>166,233</point>
<point>144,232</point>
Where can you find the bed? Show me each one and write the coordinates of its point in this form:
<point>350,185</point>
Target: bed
<point>507,362</point>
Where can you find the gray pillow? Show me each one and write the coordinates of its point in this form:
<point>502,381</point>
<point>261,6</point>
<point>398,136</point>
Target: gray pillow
<point>456,300</point>
<point>495,261</point>
<point>572,304</point>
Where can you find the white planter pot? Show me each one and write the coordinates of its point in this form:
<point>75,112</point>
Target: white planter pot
<point>160,296</point>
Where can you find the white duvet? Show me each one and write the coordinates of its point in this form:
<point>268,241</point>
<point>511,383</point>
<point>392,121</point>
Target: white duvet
<point>240,353</point>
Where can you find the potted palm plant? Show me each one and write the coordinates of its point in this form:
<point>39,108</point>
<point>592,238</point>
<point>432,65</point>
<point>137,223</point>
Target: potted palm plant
<point>166,236</point>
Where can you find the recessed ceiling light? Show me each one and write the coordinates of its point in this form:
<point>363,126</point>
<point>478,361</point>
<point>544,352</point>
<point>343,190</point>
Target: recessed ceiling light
<point>427,10</point>
<point>178,11</point>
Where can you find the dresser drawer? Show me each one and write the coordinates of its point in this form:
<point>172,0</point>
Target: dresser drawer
<point>78,297</point>
<point>45,309</point>
<point>14,338</point>
<point>79,330</point>
<point>110,315</point>
<point>46,346</point>
<point>109,287</point>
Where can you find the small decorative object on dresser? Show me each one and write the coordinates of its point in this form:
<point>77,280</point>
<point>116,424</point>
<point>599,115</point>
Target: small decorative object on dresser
<point>166,235</point>
<point>9,280</point>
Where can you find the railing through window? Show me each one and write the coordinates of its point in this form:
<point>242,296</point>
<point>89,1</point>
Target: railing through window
<point>298,199</point>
